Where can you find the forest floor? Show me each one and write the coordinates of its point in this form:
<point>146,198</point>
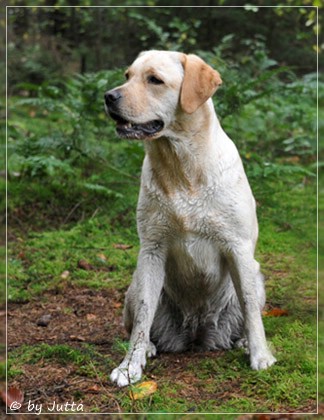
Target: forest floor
<point>65,332</point>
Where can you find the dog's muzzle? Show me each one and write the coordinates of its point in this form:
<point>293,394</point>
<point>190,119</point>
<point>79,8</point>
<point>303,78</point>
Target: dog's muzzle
<point>126,128</point>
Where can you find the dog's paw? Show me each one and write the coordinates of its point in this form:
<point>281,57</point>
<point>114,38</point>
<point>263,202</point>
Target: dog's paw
<point>262,361</point>
<point>242,343</point>
<point>126,375</point>
<point>151,350</point>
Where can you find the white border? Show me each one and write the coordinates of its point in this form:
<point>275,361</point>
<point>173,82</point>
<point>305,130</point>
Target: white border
<point>317,215</point>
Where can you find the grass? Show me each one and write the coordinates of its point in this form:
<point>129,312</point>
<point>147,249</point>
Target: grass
<point>84,358</point>
<point>227,384</point>
<point>220,383</point>
<point>36,264</point>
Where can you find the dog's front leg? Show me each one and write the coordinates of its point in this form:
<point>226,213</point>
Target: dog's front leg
<point>143,297</point>
<point>244,271</point>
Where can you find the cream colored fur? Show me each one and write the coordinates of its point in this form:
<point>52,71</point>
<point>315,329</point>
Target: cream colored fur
<point>196,281</point>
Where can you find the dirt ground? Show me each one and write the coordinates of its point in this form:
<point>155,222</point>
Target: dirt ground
<point>77,317</point>
<point>74,317</point>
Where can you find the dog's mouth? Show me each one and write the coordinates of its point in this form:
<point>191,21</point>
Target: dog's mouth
<point>130,130</point>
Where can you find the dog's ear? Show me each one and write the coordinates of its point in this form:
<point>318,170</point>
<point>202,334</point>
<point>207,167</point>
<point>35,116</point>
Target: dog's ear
<point>199,83</point>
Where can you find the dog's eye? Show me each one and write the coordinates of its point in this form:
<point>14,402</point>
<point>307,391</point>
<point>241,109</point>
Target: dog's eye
<point>154,80</point>
<point>127,75</point>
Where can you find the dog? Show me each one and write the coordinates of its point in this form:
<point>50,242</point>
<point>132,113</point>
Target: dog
<point>197,284</point>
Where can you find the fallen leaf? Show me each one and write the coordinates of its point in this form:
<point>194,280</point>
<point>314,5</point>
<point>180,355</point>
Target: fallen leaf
<point>95,388</point>
<point>12,397</point>
<point>275,312</point>
<point>102,257</point>
<point>53,337</point>
<point>65,275</point>
<point>143,390</point>
<point>77,338</point>
<point>117,305</point>
<point>84,265</point>
<point>122,246</point>
<point>91,317</point>
<point>321,408</point>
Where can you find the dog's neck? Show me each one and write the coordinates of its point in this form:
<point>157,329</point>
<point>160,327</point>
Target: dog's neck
<point>179,161</point>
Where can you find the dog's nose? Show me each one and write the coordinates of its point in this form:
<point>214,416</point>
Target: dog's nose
<point>112,96</point>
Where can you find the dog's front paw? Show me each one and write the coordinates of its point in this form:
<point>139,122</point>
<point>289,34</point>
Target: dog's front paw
<point>126,374</point>
<point>262,361</point>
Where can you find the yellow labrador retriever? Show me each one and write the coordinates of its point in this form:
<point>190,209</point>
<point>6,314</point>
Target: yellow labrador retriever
<point>197,284</point>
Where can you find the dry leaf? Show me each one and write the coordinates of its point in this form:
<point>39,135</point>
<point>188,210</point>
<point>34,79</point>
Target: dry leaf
<point>91,317</point>
<point>77,338</point>
<point>95,389</point>
<point>143,390</point>
<point>117,305</point>
<point>85,265</point>
<point>12,396</point>
<point>122,246</point>
<point>275,312</point>
<point>102,257</point>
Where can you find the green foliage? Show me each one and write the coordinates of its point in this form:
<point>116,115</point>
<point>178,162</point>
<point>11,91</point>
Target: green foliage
<point>59,137</point>
<point>59,40</point>
<point>61,143</point>
<point>74,118</point>
<point>174,34</point>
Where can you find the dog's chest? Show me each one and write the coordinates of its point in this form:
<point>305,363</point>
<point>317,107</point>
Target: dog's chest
<point>191,214</point>
<point>194,271</point>
<point>196,254</point>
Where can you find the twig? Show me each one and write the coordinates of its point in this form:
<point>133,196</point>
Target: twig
<point>133,402</point>
<point>71,212</point>
<point>120,171</point>
<point>95,213</point>
<point>109,395</point>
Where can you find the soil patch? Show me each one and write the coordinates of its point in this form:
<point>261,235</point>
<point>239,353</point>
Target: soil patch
<point>90,321</point>
<point>77,315</point>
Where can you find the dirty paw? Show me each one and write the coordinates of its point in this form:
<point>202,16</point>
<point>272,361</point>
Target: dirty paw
<point>126,375</point>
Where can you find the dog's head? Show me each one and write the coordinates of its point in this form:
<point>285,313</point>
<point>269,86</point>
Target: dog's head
<point>159,84</point>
